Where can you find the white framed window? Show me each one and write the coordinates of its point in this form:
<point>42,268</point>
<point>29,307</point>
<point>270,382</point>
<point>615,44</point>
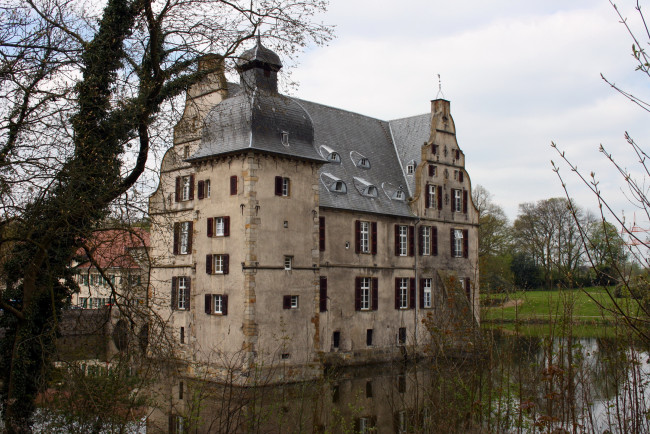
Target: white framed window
<point>219,264</point>
<point>185,238</point>
<point>433,199</point>
<point>83,302</point>
<point>426,240</point>
<point>427,293</point>
<point>217,301</point>
<point>182,292</point>
<point>365,293</point>
<point>286,186</point>
<point>403,293</point>
<point>285,138</point>
<point>364,237</point>
<point>403,240</point>
<point>461,280</point>
<point>410,168</point>
<point>458,243</point>
<point>458,201</point>
<point>206,187</point>
<point>219,226</point>
<point>186,184</point>
<point>294,302</point>
<point>364,425</point>
<point>288,262</point>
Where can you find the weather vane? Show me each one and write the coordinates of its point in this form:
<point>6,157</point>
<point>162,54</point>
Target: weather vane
<point>440,88</point>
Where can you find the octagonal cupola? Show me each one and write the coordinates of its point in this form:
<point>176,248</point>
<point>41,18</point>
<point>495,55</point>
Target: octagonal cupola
<point>258,68</point>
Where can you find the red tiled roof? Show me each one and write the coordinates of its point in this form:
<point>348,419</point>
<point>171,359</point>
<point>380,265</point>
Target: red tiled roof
<point>110,248</point>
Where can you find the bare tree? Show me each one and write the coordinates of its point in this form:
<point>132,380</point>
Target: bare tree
<point>82,88</point>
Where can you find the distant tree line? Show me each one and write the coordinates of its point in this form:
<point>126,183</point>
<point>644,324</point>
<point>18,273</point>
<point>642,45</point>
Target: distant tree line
<point>551,242</point>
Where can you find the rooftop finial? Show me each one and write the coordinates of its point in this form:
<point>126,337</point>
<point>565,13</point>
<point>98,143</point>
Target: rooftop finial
<point>259,37</point>
<point>440,88</point>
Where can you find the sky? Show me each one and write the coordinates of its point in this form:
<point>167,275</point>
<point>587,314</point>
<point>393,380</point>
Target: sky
<point>519,75</point>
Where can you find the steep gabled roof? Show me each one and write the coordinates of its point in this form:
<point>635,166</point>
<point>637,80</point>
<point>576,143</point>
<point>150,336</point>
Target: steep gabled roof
<point>409,135</point>
<point>113,248</point>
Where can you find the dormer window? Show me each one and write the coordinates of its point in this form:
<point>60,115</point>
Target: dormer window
<point>410,168</point>
<point>363,163</point>
<point>365,188</point>
<point>334,157</point>
<point>338,187</point>
<point>370,191</point>
<point>398,195</point>
<point>285,138</point>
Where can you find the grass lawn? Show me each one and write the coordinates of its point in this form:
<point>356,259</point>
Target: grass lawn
<point>539,306</point>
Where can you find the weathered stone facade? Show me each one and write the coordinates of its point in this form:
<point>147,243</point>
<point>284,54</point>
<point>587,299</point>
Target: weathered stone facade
<point>287,233</point>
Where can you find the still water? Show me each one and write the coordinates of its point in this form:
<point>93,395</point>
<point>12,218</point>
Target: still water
<point>520,384</point>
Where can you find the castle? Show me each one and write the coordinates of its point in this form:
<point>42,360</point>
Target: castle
<point>286,232</point>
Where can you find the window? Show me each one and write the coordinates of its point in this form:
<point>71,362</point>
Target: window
<point>285,356</point>
<point>182,335</point>
<point>426,300</point>
<point>321,234</point>
<point>217,264</point>
<point>290,302</point>
<point>83,302</point>
<point>334,157</point>
<point>218,226</point>
<point>404,293</point>
<point>368,389</point>
<point>401,336</point>
<point>288,262</point>
<point>336,339</point>
<point>182,238</point>
<point>457,204</point>
<point>285,138</point>
<point>459,243</point>
<point>216,304</point>
<point>425,239</point>
<point>410,168</point>
<point>369,337</point>
<point>398,195</point>
<point>203,188</point>
<point>363,163</point>
<point>365,237</point>
<point>186,184</point>
<point>180,390</point>
<point>233,185</point>
<point>282,186</point>
<point>186,152</point>
<point>433,170</point>
<point>366,295</point>
<point>323,294</point>
<point>404,240</point>
<point>338,187</point>
<point>181,293</point>
<point>366,425</point>
<point>432,199</point>
<point>369,191</point>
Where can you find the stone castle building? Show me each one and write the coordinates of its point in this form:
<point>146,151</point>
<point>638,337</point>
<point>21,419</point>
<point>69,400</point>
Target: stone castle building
<point>289,233</point>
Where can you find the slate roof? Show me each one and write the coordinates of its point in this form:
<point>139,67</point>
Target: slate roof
<point>409,135</point>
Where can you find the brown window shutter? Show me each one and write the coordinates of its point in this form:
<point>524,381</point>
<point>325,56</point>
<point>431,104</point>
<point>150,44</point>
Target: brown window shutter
<point>210,227</point>
<point>190,235</point>
<point>177,236</point>
<point>374,289</point>
<point>357,293</point>
<point>233,185</point>
<point>286,302</point>
<point>411,246</point>
<point>461,176</point>
<point>191,187</point>
<point>468,289</point>
<point>323,294</point>
<point>420,240</point>
<point>208,303</point>
<point>208,264</point>
<point>188,283</point>
<point>412,293</point>
<point>174,293</point>
<point>278,186</point>
<point>465,201</point>
<point>373,237</point>
<point>357,236</point>
<point>452,201</point>
<point>427,201</point>
<point>172,424</point>
<point>457,154</point>
<point>421,293</point>
<point>451,241</point>
<point>434,240</point>
<point>226,226</point>
<point>431,169</point>
<point>224,304</point>
<point>439,195</point>
<point>177,194</point>
<point>465,243</point>
<point>200,188</point>
<point>396,240</point>
<point>321,234</point>
<point>226,264</point>
<point>397,295</point>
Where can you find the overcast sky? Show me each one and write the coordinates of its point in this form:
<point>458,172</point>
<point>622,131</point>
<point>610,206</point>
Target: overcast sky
<point>518,74</point>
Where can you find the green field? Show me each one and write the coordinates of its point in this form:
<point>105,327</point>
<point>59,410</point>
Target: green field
<point>578,305</point>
